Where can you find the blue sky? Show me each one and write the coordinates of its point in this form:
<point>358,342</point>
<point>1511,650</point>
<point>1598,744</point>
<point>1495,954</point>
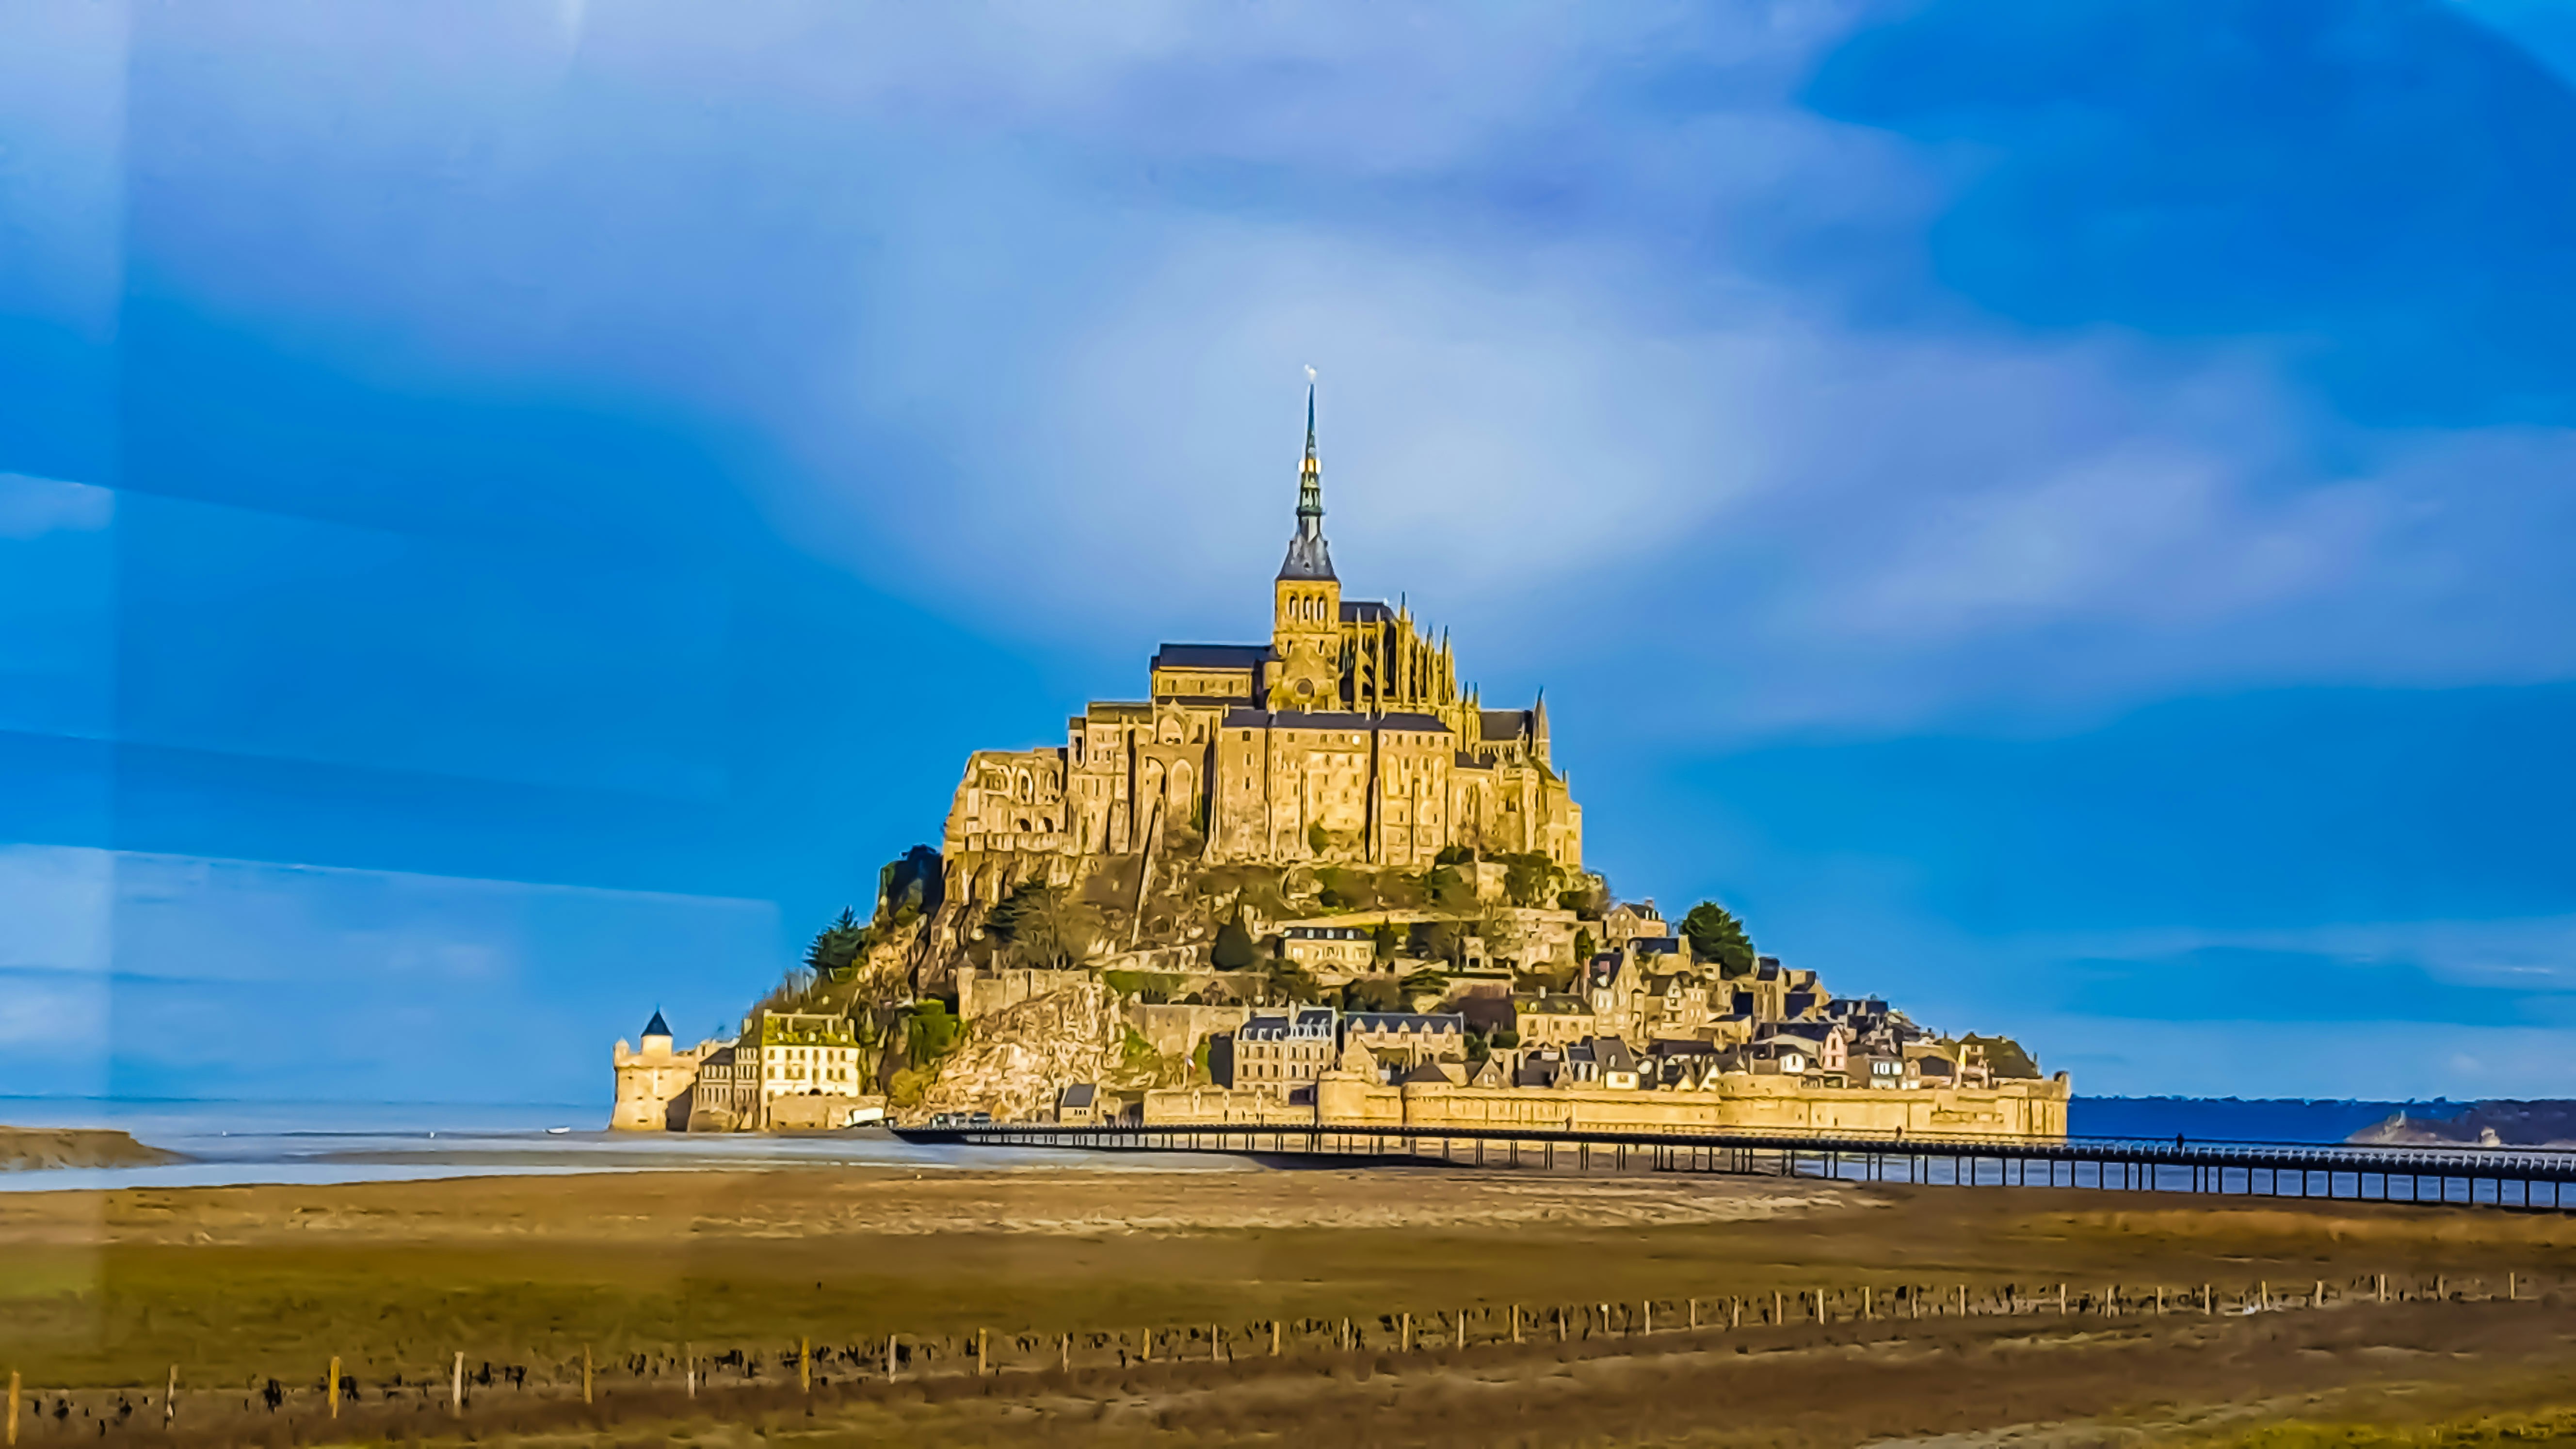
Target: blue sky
<point>2057,513</point>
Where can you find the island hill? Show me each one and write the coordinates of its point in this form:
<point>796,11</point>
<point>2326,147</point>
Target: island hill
<point>1312,880</point>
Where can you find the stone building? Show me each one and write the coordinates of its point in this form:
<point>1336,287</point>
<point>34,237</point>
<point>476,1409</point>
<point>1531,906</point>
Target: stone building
<point>1345,738</point>
<point>655,1082</point>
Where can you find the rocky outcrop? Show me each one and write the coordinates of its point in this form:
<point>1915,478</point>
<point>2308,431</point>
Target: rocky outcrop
<point>1015,1061</point>
<point>2487,1124</point>
<point>27,1148</point>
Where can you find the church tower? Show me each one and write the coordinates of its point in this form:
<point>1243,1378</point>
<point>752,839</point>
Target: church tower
<point>1306,614</point>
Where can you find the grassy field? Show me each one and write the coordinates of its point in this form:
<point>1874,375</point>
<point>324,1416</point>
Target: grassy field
<point>104,1293</point>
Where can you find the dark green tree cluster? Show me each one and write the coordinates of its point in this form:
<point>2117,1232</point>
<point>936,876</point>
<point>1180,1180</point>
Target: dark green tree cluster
<point>1716,935</point>
<point>1043,926</point>
<point>838,946</point>
<point>910,886</point>
<point>1234,949</point>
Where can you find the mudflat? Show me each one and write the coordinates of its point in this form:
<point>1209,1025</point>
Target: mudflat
<point>24,1149</point>
<point>1652,1308</point>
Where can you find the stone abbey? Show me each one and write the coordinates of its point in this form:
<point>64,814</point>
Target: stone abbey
<point>1345,739</point>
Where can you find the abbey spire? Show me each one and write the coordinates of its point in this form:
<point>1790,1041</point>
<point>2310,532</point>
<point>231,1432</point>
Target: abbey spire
<point>1308,555</point>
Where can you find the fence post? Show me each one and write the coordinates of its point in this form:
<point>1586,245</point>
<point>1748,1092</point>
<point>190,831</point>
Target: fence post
<point>456,1386</point>
<point>1462,1324</point>
<point>170,1399</point>
<point>2512,1291</point>
<point>982,1345</point>
<point>1516,1323</point>
<point>1735,1311</point>
<point>585,1373</point>
<point>13,1406</point>
<point>335,1386</point>
<point>2061,1300</point>
<point>1864,1301</point>
<point>890,1352</point>
<point>1216,1345</point>
<point>1694,1315</point>
<point>2319,1299</point>
<point>1064,1353</point>
<point>1650,1318</point>
<point>2382,1286</point>
<point>1405,1344</point>
<point>1779,1308</point>
<point>1146,1355</point>
<point>1963,1300</point>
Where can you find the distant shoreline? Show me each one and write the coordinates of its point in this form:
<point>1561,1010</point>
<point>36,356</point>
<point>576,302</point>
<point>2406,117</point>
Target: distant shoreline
<point>37,1149</point>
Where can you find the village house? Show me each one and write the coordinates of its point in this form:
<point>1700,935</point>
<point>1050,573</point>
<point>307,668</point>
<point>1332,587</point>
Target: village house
<point>1279,1054</point>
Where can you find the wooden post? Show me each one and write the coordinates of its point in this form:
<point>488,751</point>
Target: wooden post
<point>2160,1300</point>
<point>1650,1318</point>
<point>890,1349</point>
<point>1216,1345</point>
<point>805,1362</point>
<point>1694,1315</point>
<point>1274,1338</point>
<point>585,1373</point>
<point>1560,1322</point>
<point>1405,1344</point>
<point>1346,1335</point>
<point>1735,1312</point>
<point>1064,1353</point>
<point>1147,1355</point>
<point>456,1385</point>
<point>2204,1298</point>
<point>335,1386</point>
<point>2318,1299</point>
<point>1820,1305</point>
<point>2382,1286</point>
<point>13,1406</point>
<point>983,1345</point>
<point>1963,1300</point>
<point>1516,1323</point>
<point>1462,1319</point>
<point>2061,1300</point>
<point>2512,1291</point>
<point>170,1398</point>
<point>1779,1308</point>
<point>1864,1301</point>
<point>2263,1294</point>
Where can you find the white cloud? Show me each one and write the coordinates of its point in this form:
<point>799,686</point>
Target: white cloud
<point>33,507</point>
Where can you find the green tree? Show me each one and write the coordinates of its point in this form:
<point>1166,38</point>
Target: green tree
<point>909,886</point>
<point>1583,946</point>
<point>1716,935</point>
<point>837,946</point>
<point>1425,982</point>
<point>1318,839</point>
<point>1044,927</point>
<point>1527,878</point>
<point>1234,949</point>
<point>1439,941</point>
<point>1383,942</point>
<point>931,1033</point>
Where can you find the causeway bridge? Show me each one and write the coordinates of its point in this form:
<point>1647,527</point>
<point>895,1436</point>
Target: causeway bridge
<point>2510,1177</point>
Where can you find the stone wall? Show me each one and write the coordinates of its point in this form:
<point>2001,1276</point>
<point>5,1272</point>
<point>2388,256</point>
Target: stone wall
<point>2014,1109</point>
<point>823,1114</point>
<point>981,993</point>
<point>1223,1105</point>
<point>1176,1031</point>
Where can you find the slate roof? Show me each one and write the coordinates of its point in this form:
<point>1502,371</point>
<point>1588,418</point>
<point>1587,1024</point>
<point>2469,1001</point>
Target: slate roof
<point>1415,1023</point>
<point>1245,717</point>
<point>657,1026</point>
<point>1365,611</point>
<point>1081,1094</point>
<point>1213,656</point>
<point>1501,724</point>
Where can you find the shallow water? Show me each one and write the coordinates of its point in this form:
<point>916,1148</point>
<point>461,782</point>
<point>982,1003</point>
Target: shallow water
<point>233,1144</point>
